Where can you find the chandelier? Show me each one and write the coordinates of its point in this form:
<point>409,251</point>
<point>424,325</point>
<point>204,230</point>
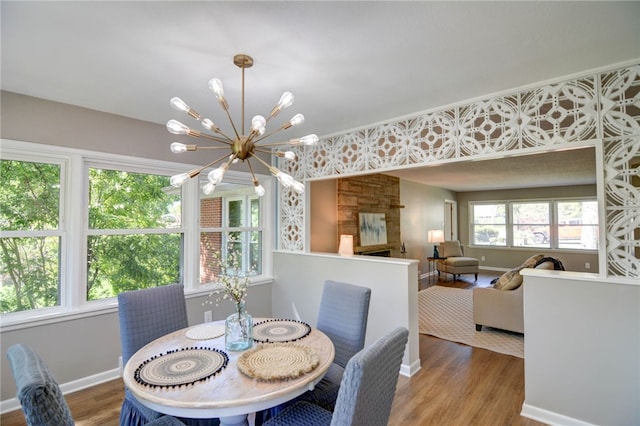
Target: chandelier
<point>243,146</point>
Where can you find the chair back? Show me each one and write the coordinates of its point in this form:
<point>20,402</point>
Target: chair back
<point>343,315</point>
<point>369,382</point>
<point>148,314</point>
<point>42,401</point>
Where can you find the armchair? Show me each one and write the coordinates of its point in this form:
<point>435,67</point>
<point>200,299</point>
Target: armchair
<point>455,262</point>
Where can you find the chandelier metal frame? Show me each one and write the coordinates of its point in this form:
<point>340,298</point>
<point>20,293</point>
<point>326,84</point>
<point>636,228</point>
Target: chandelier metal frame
<point>243,146</point>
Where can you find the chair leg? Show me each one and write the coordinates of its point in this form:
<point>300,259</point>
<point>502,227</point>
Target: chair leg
<point>476,276</point>
<point>478,327</point>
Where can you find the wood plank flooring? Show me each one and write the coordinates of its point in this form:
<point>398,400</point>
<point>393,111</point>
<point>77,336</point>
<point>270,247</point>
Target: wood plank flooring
<point>457,385</point>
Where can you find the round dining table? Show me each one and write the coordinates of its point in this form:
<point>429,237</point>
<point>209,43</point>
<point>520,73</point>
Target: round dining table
<point>229,394</point>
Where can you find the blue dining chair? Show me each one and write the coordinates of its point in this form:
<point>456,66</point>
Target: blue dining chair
<point>42,401</point>
<point>366,391</point>
<point>146,315</point>
<point>343,316</point>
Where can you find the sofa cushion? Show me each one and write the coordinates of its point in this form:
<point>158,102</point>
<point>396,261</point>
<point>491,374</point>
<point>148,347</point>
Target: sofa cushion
<point>510,280</point>
<point>451,249</point>
<point>531,262</point>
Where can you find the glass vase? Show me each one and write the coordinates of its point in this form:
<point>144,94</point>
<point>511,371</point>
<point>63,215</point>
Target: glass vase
<point>238,330</point>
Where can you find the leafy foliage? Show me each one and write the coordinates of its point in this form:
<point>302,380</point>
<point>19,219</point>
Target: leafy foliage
<point>136,201</point>
<point>29,201</point>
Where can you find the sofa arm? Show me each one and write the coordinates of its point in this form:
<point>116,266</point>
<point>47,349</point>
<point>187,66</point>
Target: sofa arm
<point>498,308</point>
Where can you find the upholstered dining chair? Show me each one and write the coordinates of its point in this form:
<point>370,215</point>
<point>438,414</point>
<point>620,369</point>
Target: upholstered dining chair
<point>42,401</point>
<point>366,391</point>
<point>343,317</point>
<point>146,315</point>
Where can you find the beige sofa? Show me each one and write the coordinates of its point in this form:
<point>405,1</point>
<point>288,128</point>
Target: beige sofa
<point>501,306</point>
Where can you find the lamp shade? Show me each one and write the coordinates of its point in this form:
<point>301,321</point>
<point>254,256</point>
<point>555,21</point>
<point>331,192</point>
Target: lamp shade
<point>346,245</point>
<point>435,236</point>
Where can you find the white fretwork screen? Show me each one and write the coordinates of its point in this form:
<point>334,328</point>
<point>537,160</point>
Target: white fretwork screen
<point>602,108</point>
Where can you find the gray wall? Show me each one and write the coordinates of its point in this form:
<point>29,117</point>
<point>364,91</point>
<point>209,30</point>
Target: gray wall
<point>423,210</point>
<point>508,258</point>
<point>29,119</point>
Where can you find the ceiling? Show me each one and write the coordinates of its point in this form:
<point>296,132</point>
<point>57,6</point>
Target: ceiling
<point>349,64</point>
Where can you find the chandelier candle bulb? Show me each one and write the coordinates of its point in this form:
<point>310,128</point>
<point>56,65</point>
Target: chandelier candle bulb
<point>216,87</point>
<point>259,189</point>
<point>210,125</point>
<point>208,188</point>
<point>177,147</point>
<point>295,120</point>
<point>286,100</point>
<point>181,105</point>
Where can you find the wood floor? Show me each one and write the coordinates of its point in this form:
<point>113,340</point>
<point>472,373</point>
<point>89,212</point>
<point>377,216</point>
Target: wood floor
<point>457,385</point>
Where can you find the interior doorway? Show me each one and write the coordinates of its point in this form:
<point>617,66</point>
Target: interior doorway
<point>450,220</point>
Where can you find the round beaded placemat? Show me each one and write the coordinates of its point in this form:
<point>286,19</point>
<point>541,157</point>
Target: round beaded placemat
<point>280,330</point>
<point>205,331</point>
<point>277,361</point>
<point>179,368</point>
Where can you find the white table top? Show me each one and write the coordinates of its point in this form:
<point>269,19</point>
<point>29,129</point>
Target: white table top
<point>229,393</point>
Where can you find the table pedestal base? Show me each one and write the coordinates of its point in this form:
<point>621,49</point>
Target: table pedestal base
<point>239,420</point>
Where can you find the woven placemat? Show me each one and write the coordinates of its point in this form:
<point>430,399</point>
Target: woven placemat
<point>280,330</point>
<point>277,361</point>
<point>205,332</point>
<point>180,368</point>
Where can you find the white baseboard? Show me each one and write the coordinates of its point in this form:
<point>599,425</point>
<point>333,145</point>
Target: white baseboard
<point>410,370</point>
<point>493,268</point>
<point>74,386</point>
<point>549,417</point>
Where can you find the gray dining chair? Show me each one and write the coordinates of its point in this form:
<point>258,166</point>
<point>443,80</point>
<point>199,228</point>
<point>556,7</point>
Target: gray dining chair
<point>366,392</point>
<point>343,316</point>
<point>146,315</point>
<point>41,399</point>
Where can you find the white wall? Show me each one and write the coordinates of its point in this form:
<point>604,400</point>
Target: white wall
<point>299,279</point>
<point>582,349</point>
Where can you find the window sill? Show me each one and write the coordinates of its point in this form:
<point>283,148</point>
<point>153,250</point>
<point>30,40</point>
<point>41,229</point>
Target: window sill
<point>56,315</point>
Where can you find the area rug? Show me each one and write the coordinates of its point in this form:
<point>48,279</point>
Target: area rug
<point>447,313</point>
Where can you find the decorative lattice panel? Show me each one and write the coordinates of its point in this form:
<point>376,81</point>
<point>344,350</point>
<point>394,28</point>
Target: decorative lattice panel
<point>603,107</point>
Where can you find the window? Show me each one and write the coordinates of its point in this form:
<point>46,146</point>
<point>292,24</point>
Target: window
<point>554,224</point>
<point>231,219</point>
<point>531,224</point>
<point>79,227</point>
<point>135,237</point>
<point>32,237</point>
<point>488,225</point>
<point>578,224</point>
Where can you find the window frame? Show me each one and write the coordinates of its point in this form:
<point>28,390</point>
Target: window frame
<point>74,225</point>
<point>549,223</point>
<point>473,224</point>
<point>553,224</point>
<point>13,154</point>
<point>106,164</point>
